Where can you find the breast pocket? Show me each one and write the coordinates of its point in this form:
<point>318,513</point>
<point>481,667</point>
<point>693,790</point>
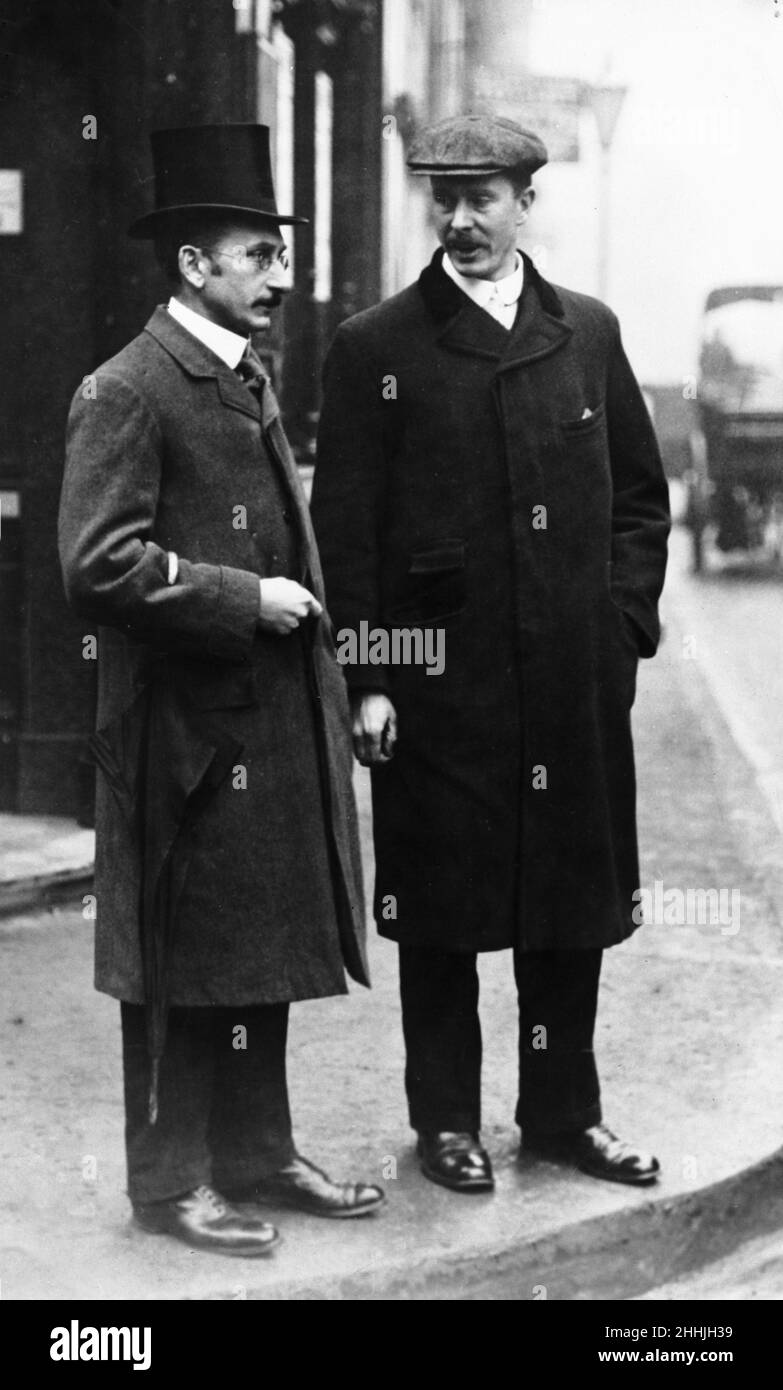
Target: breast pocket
<point>582,469</point>
<point>434,587</point>
<point>585,427</point>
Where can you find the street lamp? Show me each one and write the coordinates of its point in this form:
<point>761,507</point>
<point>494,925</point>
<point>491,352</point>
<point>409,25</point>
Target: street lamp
<point>606,102</point>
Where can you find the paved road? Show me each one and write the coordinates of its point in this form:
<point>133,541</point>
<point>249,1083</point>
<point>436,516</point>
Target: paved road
<point>730,620</point>
<point>752,1273</point>
<point>690,1041</point>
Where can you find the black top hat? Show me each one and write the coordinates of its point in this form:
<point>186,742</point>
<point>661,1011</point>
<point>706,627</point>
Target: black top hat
<point>211,166</point>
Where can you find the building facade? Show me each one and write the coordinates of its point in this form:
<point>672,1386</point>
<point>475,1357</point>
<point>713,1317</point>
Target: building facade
<point>343,85</point>
<point>81,86</point>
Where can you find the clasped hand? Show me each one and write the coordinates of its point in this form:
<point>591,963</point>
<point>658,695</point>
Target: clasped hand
<point>285,604</point>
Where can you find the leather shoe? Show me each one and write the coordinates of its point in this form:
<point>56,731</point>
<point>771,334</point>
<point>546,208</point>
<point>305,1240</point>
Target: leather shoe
<point>307,1188</point>
<point>204,1220</point>
<point>456,1160</point>
<point>596,1151</point>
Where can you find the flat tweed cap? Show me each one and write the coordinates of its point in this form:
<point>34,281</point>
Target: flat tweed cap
<point>475,145</point>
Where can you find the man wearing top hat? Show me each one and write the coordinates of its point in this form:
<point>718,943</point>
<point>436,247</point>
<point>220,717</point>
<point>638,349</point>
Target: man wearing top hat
<point>228,877</point>
<point>487,467</point>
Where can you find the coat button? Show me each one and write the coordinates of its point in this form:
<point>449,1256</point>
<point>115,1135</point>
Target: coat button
<point>287,517</point>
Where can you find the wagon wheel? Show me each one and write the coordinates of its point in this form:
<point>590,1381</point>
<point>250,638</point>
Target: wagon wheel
<point>697,549</point>
<point>696,507</point>
<point>775,528</point>
<point>695,522</point>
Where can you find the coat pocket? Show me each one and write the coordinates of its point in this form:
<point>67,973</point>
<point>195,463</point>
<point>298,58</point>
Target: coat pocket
<point>631,633</point>
<point>435,585</point>
<point>621,646</point>
<point>577,429</point>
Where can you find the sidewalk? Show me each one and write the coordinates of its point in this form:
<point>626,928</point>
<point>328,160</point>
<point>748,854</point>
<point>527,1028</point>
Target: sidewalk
<point>43,859</point>
<point>689,1043</point>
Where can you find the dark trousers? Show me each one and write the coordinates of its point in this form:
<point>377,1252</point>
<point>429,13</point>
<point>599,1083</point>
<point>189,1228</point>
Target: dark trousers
<point>223,1116</point>
<point>558,1081</point>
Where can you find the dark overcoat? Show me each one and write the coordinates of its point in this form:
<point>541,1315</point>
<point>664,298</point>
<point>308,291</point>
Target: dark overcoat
<point>169,451</point>
<point>505,487</point>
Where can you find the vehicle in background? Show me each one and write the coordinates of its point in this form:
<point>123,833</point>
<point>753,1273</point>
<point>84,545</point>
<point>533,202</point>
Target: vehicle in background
<point>735,479</point>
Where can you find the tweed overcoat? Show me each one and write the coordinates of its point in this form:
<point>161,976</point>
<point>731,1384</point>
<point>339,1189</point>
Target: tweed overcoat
<point>507,489</point>
<point>169,451</point>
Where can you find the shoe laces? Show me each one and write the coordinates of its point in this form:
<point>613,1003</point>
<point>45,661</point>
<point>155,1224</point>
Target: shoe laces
<point>210,1198</point>
<point>617,1150</point>
<point>460,1141</point>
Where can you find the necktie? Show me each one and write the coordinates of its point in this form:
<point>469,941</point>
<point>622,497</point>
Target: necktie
<point>251,369</point>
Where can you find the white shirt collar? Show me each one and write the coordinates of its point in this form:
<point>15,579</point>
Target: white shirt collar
<point>506,292</point>
<point>228,346</point>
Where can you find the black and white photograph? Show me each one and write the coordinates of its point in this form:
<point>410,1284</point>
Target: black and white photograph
<point>391,662</point>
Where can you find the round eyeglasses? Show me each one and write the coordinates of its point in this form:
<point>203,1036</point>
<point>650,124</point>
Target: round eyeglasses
<point>262,259</point>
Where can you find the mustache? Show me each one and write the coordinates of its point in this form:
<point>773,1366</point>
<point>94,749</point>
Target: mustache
<point>462,243</point>
<point>272,303</point>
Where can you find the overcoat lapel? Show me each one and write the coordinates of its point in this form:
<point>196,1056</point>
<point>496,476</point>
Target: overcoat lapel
<point>536,331</point>
<point>234,393</point>
<point>474,331</point>
<point>278,444</point>
<point>199,361</point>
<point>540,327</point>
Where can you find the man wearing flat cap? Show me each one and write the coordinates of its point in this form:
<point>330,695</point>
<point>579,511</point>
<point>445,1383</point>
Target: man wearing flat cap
<point>228,877</point>
<point>487,469</point>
